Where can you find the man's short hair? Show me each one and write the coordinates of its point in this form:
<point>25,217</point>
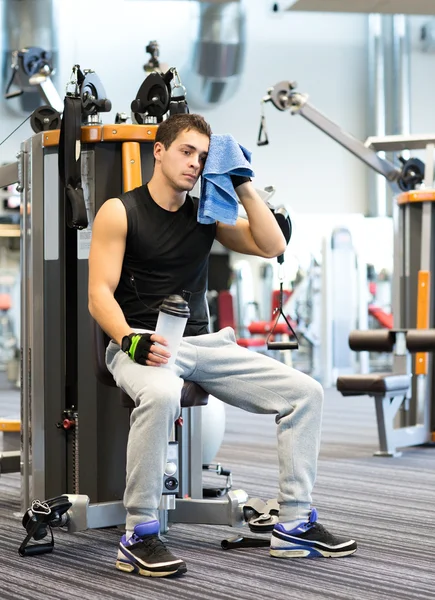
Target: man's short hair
<point>169,130</point>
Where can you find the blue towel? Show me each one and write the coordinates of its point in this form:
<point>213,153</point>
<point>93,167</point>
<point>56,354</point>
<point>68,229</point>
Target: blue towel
<point>218,200</point>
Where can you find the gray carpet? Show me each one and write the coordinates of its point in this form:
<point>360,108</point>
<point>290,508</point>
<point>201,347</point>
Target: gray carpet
<point>387,505</point>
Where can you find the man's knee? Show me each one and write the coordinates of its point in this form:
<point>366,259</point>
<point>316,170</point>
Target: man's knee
<point>315,392</point>
<point>162,395</point>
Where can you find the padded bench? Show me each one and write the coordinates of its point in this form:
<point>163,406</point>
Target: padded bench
<point>373,384</point>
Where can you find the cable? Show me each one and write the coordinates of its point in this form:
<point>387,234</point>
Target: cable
<point>12,132</point>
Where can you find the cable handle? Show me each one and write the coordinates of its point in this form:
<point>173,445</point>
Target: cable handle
<point>263,139</point>
<point>282,345</point>
<point>290,345</point>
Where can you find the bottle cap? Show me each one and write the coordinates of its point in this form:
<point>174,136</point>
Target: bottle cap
<point>176,306</point>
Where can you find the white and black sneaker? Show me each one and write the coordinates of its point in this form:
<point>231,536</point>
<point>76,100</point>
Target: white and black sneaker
<point>145,554</point>
<point>309,540</point>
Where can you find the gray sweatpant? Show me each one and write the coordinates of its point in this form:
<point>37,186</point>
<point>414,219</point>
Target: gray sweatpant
<point>237,376</point>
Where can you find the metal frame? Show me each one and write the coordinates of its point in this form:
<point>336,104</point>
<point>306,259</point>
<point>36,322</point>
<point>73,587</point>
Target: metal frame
<point>391,438</point>
<point>406,420</point>
<point>32,331</point>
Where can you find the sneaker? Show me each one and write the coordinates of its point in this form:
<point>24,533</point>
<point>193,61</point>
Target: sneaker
<point>309,540</point>
<point>145,554</point>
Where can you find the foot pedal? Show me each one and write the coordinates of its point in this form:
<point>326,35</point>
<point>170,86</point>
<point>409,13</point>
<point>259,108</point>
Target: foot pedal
<point>261,516</point>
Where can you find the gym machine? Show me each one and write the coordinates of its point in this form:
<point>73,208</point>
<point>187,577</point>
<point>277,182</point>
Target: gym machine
<point>70,412</point>
<point>405,398</point>
<point>31,70</point>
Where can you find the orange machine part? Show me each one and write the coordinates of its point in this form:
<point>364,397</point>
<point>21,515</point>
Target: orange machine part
<point>9,425</point>
<point>131,166</point>
<point>422,317</point>
<point>122,132</point>
<point>416,196</point>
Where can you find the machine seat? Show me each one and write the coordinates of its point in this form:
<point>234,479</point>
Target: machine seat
<point>192,394</point>
<point>373,383</point>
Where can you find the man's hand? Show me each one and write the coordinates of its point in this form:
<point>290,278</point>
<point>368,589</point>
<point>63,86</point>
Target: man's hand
<point>144,350</point>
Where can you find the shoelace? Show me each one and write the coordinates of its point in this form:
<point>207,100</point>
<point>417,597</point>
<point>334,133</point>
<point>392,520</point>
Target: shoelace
<point>152,543</point>
<point>320,529</point>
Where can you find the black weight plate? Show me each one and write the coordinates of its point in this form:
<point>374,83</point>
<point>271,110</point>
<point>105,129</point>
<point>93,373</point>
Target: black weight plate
<point>44,118</point>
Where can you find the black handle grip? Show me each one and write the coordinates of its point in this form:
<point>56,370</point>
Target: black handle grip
<point>35,549</point>
<point>244,542</point>
<point>10,95</point>
<point>282,345</point>
<point>103,104</point>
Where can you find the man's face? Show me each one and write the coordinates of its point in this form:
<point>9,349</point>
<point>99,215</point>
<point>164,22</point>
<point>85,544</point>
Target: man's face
<point>182,163</point>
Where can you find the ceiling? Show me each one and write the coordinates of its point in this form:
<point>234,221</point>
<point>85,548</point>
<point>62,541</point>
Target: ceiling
<point>413,7</point>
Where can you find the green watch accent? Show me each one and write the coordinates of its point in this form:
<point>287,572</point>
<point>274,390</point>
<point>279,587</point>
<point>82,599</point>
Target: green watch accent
<point>134,342</point>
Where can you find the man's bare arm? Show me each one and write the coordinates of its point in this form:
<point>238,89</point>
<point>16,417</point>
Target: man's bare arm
<point>260,234</point>
<point>109,234</point>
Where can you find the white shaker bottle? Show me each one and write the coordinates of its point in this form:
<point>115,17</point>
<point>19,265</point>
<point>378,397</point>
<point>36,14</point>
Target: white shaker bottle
<point>171,323</point>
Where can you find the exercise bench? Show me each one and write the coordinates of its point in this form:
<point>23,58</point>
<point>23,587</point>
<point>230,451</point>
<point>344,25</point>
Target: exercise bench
<point>393,392</point>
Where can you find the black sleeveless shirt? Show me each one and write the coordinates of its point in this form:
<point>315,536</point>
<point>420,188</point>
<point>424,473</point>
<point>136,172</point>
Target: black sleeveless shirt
<point>166,253</point>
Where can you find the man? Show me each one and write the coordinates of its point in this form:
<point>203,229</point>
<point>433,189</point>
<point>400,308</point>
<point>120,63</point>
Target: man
<point>147,245</point>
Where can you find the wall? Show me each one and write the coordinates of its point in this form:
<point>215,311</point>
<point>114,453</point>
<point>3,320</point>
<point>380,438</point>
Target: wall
<point>324,53</point>
<point>422,82</point>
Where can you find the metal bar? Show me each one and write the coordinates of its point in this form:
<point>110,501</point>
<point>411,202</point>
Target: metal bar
<point>37,340</point>
<point>395,143</point>
<point>200,511</point>
<point>326,351</point>
<point>184,453</point>
<point>50,94</point>
<point>105,514</point>
<point>225,511</point>
<point>195,442</point>
<point>377,197</point>
<point>10,461</point>
<point>415,435</point>
<point>9,174</point>
<point>402,76</point>
<point>423,386</point>
<point>429,165</point>
<point>396,297</point>
<point>384,419</point>
<point>348,141</point>
<point>24,333</point>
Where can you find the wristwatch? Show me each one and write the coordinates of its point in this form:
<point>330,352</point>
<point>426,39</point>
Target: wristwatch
<point>126,342</point>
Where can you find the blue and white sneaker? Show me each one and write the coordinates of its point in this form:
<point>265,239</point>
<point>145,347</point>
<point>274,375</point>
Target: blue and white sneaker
<point>145,554</point>
<point>309,540</point>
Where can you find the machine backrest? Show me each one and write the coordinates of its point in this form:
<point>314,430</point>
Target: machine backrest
<point>101,341</point>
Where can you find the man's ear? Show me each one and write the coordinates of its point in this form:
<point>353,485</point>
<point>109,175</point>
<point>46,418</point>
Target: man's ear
<point>158,148</point>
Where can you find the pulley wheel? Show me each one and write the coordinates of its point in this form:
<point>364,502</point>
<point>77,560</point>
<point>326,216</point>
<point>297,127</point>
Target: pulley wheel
<point>412,174</point>
<point>45,118</point>
<point>153,97</point>
<point>280,95</point>
<point>34,59</point>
